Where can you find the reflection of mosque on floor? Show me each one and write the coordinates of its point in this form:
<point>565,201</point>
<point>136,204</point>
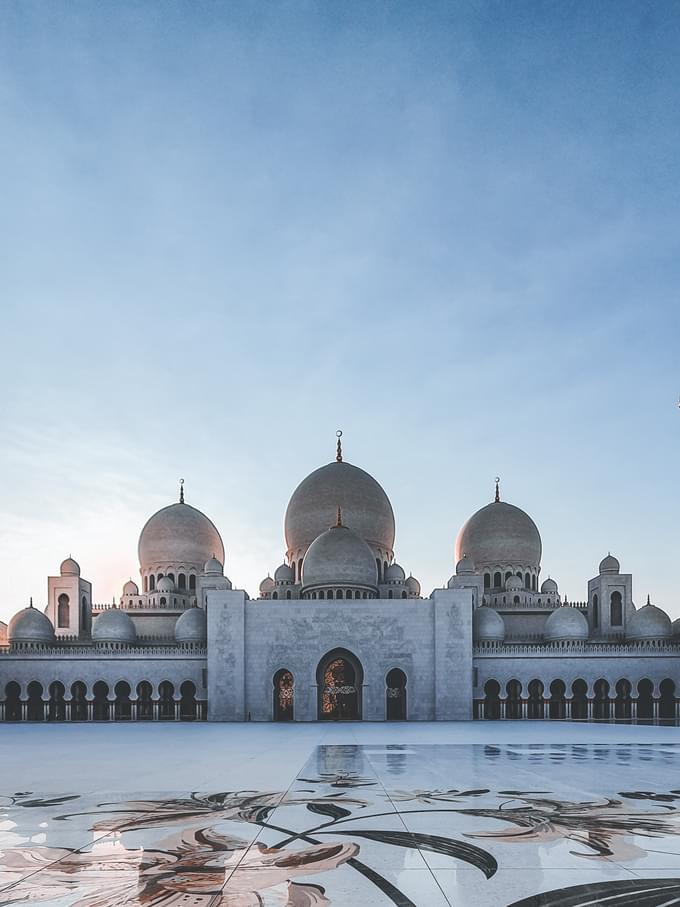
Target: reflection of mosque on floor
<point>340,631</point>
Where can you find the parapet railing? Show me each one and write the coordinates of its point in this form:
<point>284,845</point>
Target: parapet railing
<point>581,647</point>
<point>98,650</point>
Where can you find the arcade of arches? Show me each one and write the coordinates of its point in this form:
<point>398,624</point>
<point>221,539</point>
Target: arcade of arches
<point>623,701</point>
<point>103,702</point>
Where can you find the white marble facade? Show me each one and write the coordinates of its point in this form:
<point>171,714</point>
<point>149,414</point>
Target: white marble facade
<point>339,630</point>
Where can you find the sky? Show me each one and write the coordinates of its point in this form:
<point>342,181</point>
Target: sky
<point>450,230</point>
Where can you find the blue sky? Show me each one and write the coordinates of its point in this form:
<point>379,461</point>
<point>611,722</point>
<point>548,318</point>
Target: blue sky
<point>449,229</point>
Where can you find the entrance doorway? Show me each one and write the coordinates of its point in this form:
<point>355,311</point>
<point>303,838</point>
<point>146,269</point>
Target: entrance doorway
<point>339,679</point>
<point>396,695</point>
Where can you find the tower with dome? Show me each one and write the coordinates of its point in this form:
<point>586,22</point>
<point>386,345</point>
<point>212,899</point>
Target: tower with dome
<point>339,629</point>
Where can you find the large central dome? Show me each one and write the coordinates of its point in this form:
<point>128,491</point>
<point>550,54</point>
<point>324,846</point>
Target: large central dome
<point>179,535</point>
<point>366,509</point>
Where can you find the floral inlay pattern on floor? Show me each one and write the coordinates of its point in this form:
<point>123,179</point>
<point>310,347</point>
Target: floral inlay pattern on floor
<point>365,826</point>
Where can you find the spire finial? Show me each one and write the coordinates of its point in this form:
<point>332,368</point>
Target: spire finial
<point>498,490</point>
<point>339,521</point>
<point>30,602</point>
<point>338,454</point>
<point>181,491</point>
<point>648,601</point>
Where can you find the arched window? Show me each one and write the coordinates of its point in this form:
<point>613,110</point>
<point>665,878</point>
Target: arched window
<point>13,701</point>
<point>557,707</point>
<point>321,594</point>
<point>535,700</point>
<point>192,582</point>
<point>284,695</point>
<point>36,706</point>
<point>492,702</point>
<point>339,678</point>
<point>182,582</point>
<point>616,610</point>
<point>389,594</point>
<point>289,594</point>
<point>329,594</point>
<point>338,593</point>
<point>100,708</point>
<point>171,576</point>
<point>601,701</point>
<point>404,595</point>
<point>84,616</point>
<point>623,701</point>
<point>645,701</point>
<point>497,581</point>
<point>122,708</point>
<point>144,703</point>
<point>152,583</point>
<point>395,708</point>
<point>596,611</point>
<point>159,577</point>
<point>166,701</point>
<point>275,594</point>
<point>487,580</point>
<point>579,700</point>
<point>508,574</point>
<point>187,704</point>
<point>667,701</point>
<point>56,706</point>
<point>378,565</point>
<point>533,583</point>
<point>63,611</point>
<point>515,600</point>
<point>164,601</point>
<point>513,707</point>
<point>145,584</point>
<point>527,581</point>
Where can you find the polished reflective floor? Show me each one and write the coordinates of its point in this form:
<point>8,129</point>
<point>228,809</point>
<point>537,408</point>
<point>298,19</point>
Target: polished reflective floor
<point>303,816</point>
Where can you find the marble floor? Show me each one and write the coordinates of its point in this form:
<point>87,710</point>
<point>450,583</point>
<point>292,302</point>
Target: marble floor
<point>516,814</point>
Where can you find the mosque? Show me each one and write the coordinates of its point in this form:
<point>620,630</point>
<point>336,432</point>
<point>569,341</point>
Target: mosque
<point>340,631</point>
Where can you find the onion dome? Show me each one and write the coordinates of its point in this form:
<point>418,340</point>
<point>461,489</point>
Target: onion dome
<point>130,588</point>
<point>69,567</point>
<point>30,625</point>
<point>213,567</point>
<point>365,507</point>
<point>465,565</point>
<point>339,556</point>
<point>179,535</point>
<point>500,534</point>
<point>192,626</point>
<point>266,586</point>
<point>487,625</point>
<point>549,586</point>
<point>395,574</point>
<point>514,583</point>
<point>413,586</point>
<point>649,622</point>
<point>565,623</point>
<point>165,584</point>
<point>610,564</point>
<point>114,625</point>
<point>675,627</point>
<point>283,574</point>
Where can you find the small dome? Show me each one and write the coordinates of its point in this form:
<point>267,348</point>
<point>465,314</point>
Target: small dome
<point>413,586</point>
<point>266,585</point>
<point>465,565</point>
<point>130,588</point>
<point>69,567</point>
<point>284,574</point>
<point>213,567</point>
<point>565,623</point>
<point>339,557</point>
<point>113,625</point>
<point>549,586</point>
<point>395,574</point>
<point>513,584</point>
<point>365,506</point>
<point>649,622</point>
<point>610,565</point>
<point>488,625</point>
<point>179,534</point>
<point>192,626</point>
<point>165,584</point>
<point>30,625</point>
<point>675,627</point>
<point>500,534</point>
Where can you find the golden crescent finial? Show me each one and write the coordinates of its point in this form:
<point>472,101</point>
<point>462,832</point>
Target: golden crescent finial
<point>498,489</point>
<point>338,453</point>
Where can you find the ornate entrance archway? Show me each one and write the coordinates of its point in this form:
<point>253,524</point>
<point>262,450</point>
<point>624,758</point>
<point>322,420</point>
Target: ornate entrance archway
<point>339,680</point>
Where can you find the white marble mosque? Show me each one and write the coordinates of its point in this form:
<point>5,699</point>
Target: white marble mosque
<point>340,630</point>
